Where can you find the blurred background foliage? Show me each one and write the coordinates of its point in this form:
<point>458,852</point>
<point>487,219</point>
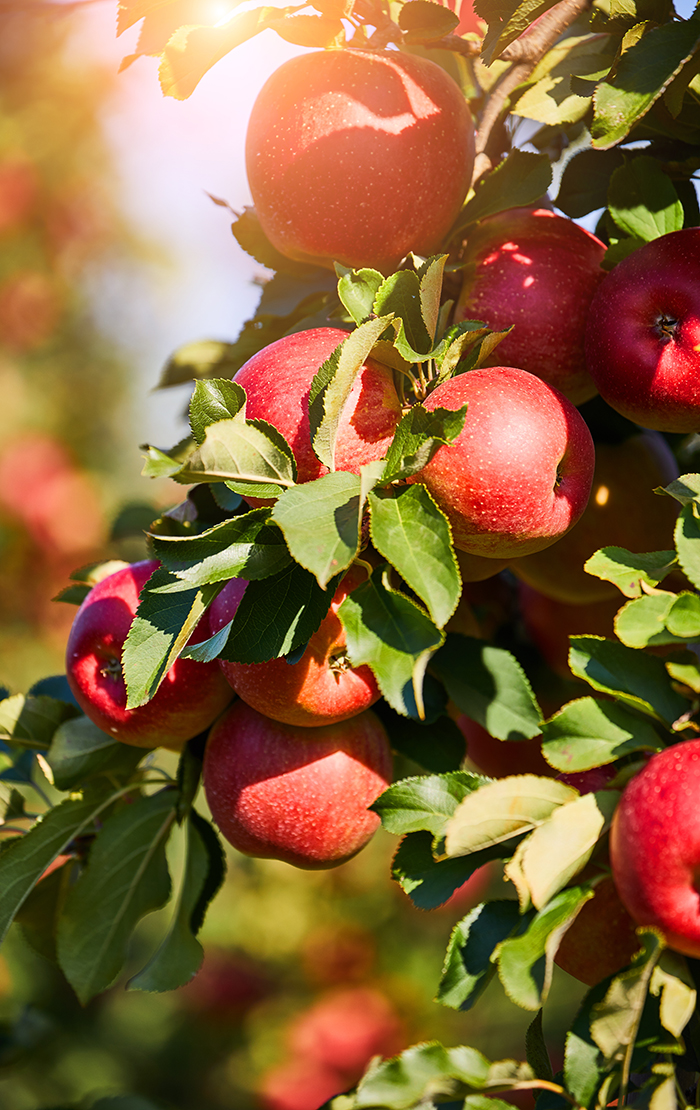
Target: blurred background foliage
<point>306,975</point>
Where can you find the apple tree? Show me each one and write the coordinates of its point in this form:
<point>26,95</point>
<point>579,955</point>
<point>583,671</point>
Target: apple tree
<point>420,440</point>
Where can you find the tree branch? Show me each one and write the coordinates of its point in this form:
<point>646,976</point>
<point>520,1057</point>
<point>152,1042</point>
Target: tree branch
<point>524,53</point>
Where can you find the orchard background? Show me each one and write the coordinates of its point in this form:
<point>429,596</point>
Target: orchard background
<point>106,270</point>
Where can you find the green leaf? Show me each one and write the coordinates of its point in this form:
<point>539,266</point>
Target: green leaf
<point>436,745</point>
<point>489,685</point>
<point>391,634</point>
<point>642,75</point>
<point>687,537</point>
<point>276,616</point>
<point>627,571</point>
<point>503,809</point>
<point>165,464</point>
<point>561,846</point>
<point>616,1018</point>
<point>357,290</point>
<point>207,358</point>
<point>244,547</point>
<point>584,183</point>
<point>507,21</point>
<point>671,979</point>
<point>30,722</point>
<point>180,954</point>
<point>399,296</point>
<point>685,489</point>
<point>584,1066</point>
<point>683,620</point>
<point>638,680</point>
<point>414,536</point>
<point>536,1049</point>
<point>418,436</point>
<point>321,523</point>
<point>251,456</point>
<point>430,281</point>
<point>590,733</point>
<point>79,750</point>
<point>333,384</point>
<point>38,916</point>
<point>551,97</point>
<point>162,626</point>
<point>642,200</point>
<point>468,967</point>
<point>424,21</point>
<point>642,621</point>
<point>126,877</point>
<point>525,962</point>
<point>424,802</point>
<point>429,882</point>
<point>212,401</point>
<point>521,179</point>
<point>26,858</point>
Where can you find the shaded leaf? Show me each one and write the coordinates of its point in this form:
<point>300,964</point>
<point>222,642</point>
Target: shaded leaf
<point>638,680</point>
<point>251,456</point>
<point>521,179</point>
<point>419,435</point>
<point>79,750</point>
<point>584,184</point>
<point>207,358</point>
<point>488,685</point>
<point>30,722</point>
<point>391,634</point>
<point>399,296</point>
<point>320,521</point>
<point>642,621</point>
<point>436,745</point>
<point>429,882</point>
<point>244,547</point>
<point>616,1018</point>
<point>125,878</point>
<point>468,967</point>
<point>627,571</point>
<point>642,200</point>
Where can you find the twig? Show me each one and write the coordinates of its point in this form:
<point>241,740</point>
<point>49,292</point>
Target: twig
<point>524,53</point>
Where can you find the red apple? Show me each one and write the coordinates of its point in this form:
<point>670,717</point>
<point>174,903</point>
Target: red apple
<point>549,623</point>
<point>19,189</point>
<point>322,688</point>
<point>469,21</point>
<point>500,758</point>
<point>623,511</point>
<point>601,940</point>
<point>299,1085</point>
<point>655,846</point>
<point>359,157</point>
<point>296,794</point>
<point>277,381</point>
<point>192,694</point>
<point>538,271</point>
<point>643,334</point>
<point>346,1029</point>
<point>519,473</point>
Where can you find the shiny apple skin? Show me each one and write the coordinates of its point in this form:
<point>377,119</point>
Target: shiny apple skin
<point>539,272</point>
<point>359,157</point>
<point>622,511</point>
<point>313,691</point>
<point>519,474</point>
<point>648,372</point>
<point>277,381</point>
<point>295,794</point>
<point>190,698</point>
<point>655,846</point>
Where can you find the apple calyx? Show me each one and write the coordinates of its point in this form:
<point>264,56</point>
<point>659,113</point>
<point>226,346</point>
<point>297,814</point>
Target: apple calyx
<point>112,668</point>
<point>666,327</point>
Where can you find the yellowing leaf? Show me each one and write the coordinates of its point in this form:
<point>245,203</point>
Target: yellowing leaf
<point>502,809</point>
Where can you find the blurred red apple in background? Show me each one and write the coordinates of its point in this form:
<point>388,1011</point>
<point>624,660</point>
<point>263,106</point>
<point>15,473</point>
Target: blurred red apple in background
<point>322,688</point>
<point>538,271</point>
<point>499,758</point>
<point>623,511</point>
<point>18,192</point>
<point>30,305</point>
<point>643,334</point>
<point>296,794</point>
<point>191,696</point>
<point>655,846</point>
<point>519,473</point>
<point>549,623</point>
<point>334,139</point>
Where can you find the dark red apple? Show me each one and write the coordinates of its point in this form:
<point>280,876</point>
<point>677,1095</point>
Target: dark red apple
<point>359,157</point>
<point>643,334</point>
<point>322,688</point>
<point>623,511</point>
<point>192,694</point>
<point>277,381</point>
<point>519,474</point>
<point>296,794</point>
<point>549,623</point>
<point>537,271</point>
<point>500,758</point>
<point>602,938</point>
<point>655,846</point>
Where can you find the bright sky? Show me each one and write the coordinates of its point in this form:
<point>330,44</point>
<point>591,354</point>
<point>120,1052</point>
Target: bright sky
<point>168,154</point>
